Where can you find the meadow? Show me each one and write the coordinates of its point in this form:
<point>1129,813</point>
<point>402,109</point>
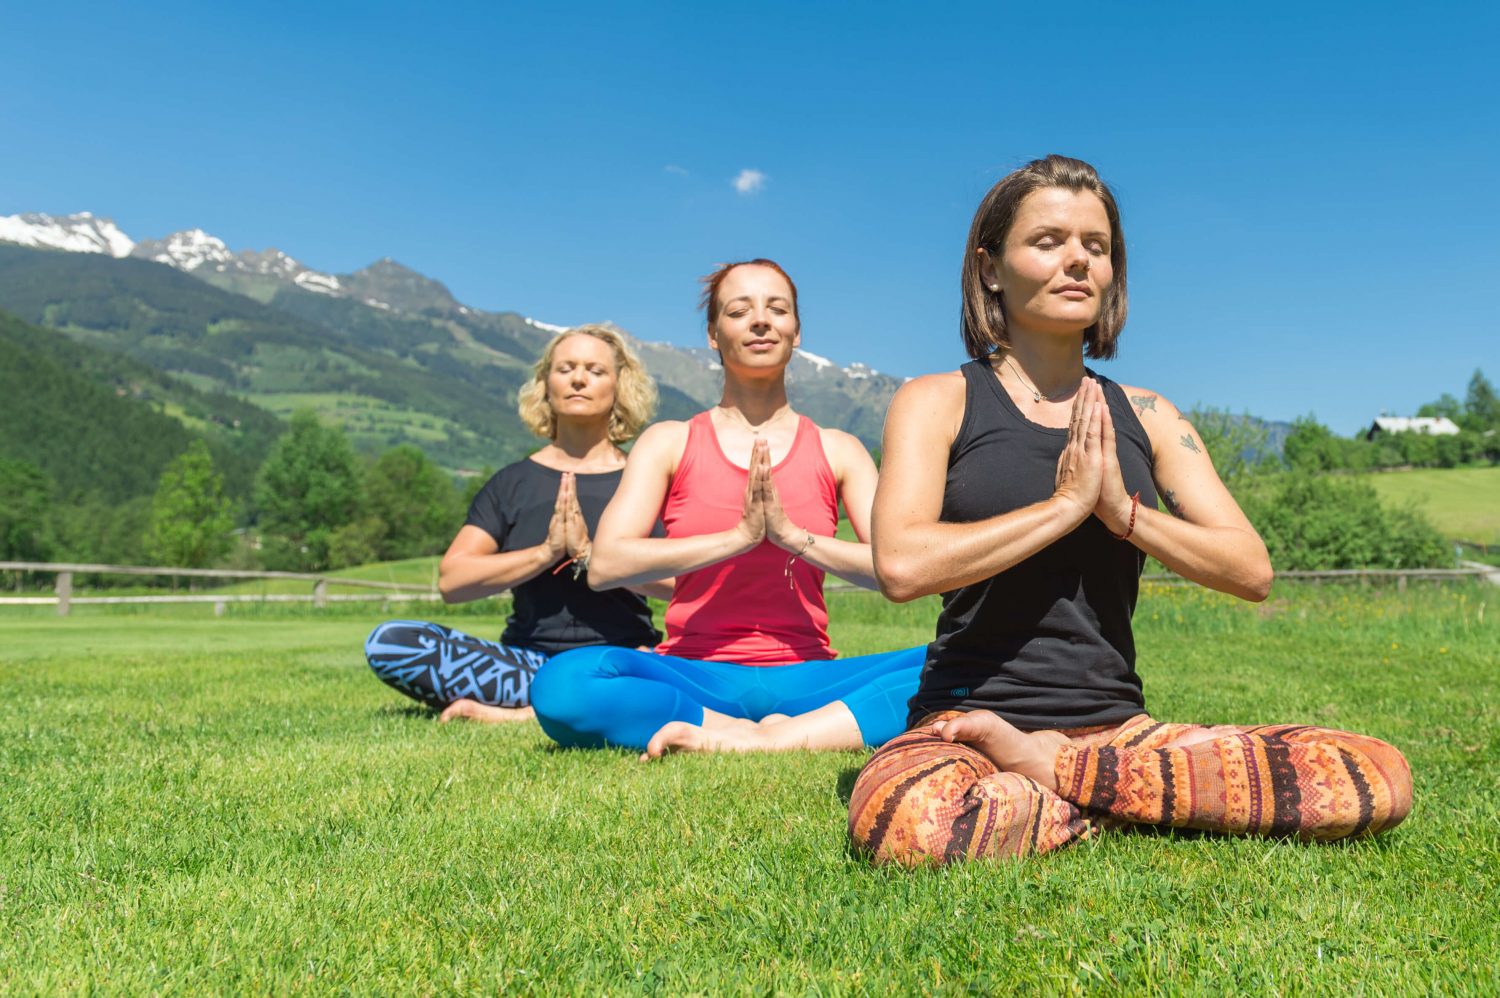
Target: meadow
<point>195,804</point>
<point>1463,503</point>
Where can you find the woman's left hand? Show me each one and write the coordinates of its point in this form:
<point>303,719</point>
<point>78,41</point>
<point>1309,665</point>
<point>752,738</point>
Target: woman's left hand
<point>1114,502</point>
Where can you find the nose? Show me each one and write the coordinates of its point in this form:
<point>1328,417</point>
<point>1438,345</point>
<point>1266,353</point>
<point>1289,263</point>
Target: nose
<point>1077,261</point>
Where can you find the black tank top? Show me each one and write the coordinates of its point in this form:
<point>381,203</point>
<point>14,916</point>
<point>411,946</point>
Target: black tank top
<point>1046,643</point>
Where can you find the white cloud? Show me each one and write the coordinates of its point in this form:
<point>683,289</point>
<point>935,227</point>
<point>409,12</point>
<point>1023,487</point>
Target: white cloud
<point>750,182</point>
<point>674,168</point>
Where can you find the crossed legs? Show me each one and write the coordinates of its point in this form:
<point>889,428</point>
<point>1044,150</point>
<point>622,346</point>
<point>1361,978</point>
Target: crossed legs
<point>923,798</point>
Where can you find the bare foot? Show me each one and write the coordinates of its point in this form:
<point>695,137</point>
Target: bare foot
<point>680,736</point>
<point>1200,735</point>
<point>1032,754</point>
<point>473,710</point>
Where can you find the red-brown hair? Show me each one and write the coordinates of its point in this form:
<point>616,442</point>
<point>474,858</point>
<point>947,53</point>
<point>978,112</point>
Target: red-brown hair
<point>710,300</point>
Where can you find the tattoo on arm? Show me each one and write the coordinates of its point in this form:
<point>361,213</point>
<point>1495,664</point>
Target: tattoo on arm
<point>1173,506</point>
<point>1142,403</point>
<point>1187,441</point>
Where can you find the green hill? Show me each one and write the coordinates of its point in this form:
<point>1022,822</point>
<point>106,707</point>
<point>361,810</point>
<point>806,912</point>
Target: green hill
<point>227,342</point>
<point>444,379</point>
<point>104,425</point>
<point>1464,503</point>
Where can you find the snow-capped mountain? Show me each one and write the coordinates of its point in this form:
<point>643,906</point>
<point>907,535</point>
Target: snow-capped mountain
<point>78,233</point>
<point>186,250</point>
<point>852,396</point>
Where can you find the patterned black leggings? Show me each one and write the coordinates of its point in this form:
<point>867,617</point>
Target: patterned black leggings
<point>437,665</point>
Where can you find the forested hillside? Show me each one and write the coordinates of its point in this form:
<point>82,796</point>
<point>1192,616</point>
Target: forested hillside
<point>102,425</point>
<point>442,379</point>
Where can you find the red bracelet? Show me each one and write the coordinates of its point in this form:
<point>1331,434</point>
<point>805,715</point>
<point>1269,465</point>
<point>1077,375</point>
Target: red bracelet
<point>1135,504</point>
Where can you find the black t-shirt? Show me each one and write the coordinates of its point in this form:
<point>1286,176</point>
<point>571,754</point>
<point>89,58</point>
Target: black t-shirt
<point>1046,643</point>
<point>553,613</point>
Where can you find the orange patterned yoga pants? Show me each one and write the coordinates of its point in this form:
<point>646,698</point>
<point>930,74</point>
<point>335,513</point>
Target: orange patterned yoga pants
<point>920,799</point>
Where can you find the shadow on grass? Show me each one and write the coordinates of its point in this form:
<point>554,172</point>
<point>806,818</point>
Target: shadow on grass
<point>412,711</point>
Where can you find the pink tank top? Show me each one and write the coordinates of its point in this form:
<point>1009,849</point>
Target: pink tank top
<point>745,609</point>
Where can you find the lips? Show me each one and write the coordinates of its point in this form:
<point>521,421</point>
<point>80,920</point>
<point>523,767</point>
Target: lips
<point>1074,291</point>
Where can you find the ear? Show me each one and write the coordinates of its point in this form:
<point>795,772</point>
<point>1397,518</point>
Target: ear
<point>989,272</point>
<point>713,339</point>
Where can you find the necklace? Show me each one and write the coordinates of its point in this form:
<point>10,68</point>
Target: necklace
<point>1036,395</point>
<point>754,430</point>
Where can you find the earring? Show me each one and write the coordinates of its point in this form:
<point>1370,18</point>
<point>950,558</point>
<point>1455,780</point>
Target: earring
<point>994,287</point>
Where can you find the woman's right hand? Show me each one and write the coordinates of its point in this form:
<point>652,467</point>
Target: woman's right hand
<point>557,528</point>
<point>1080,467</point>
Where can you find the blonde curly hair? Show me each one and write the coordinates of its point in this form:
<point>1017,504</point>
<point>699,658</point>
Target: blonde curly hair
<point>635,391</point>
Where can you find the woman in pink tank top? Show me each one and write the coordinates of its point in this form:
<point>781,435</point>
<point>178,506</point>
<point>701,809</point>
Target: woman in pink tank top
<point>749,493</point>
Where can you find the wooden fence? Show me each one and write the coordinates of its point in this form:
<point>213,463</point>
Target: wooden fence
<point>319,596</point>
<point>64,599</point>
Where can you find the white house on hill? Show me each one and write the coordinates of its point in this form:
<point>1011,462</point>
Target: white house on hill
<point>1435,426</point>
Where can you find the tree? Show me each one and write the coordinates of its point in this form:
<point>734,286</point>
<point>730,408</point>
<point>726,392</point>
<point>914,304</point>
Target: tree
<point>25,495</point>
<point>308,488</point>
<point>1481,406</point>
<point>190,515</point>
<point>1447,406</point>
<point>415,501</point>
<point>1311,521</point>
<point>1311,446</point>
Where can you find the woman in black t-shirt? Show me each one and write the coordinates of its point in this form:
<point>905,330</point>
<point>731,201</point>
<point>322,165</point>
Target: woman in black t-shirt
<point>1023,489</point>
<point>528,531</point>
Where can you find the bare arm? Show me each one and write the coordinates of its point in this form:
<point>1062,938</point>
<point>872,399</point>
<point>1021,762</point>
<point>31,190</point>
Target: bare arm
<point>625,553</point>
<point>474,566</point>
<point>915,552</point>
<point>1205,537</point>
<point>855,471</point>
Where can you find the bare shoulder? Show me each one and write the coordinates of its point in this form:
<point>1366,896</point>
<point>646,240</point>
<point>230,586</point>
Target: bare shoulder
<point>662,437</point>
<point>844,449</point>
<point>1170,429</point>
<point>931,390</point>
<point>930,408</point>
<point>1151,405</point>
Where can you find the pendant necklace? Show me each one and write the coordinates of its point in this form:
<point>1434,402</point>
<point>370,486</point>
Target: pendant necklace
<point>1036,395</point>
<point>754,430</point>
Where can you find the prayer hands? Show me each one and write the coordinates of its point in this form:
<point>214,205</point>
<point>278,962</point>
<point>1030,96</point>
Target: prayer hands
<point>1088,470</point>
<point>1080,467</point>
<point>764,516</point>
<point>567,533</point>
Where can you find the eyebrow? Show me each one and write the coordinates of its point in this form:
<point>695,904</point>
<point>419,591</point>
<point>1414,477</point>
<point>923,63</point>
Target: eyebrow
<point>746,298</point>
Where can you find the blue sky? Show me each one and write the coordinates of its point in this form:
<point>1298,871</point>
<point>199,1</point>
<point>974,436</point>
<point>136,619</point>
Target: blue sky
<point>1309,195</point>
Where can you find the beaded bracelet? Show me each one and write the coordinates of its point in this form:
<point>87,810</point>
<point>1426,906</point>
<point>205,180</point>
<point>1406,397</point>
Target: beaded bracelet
<point>1135,504</point>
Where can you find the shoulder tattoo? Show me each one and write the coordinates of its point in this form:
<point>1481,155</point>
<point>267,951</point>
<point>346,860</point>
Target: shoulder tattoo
<point>1142,403</point>
<point>1187,441</point>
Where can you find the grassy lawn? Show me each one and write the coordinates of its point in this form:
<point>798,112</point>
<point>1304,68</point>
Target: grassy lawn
<point>1464,503</point>
<point>193,804</point>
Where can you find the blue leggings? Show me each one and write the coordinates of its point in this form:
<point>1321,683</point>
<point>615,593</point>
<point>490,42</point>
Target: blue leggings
<point>437,665</point>
<point>592,697</point>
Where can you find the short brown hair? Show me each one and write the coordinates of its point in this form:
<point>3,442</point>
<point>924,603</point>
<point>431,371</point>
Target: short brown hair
<point>984,327</point>
<point>711,282</point>
<point>635,392</point>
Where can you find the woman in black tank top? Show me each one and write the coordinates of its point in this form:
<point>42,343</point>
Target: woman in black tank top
<point>1024,489</point>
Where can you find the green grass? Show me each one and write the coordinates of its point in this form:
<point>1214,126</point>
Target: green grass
<point>191,804</point>
<point>1464,503</point>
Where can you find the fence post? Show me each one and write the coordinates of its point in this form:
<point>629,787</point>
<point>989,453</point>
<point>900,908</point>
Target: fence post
<point>64,593</point>
<point>1401,583</point>
<point>320,594</point>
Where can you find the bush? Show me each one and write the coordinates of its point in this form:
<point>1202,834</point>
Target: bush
<point>1314,522</point>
